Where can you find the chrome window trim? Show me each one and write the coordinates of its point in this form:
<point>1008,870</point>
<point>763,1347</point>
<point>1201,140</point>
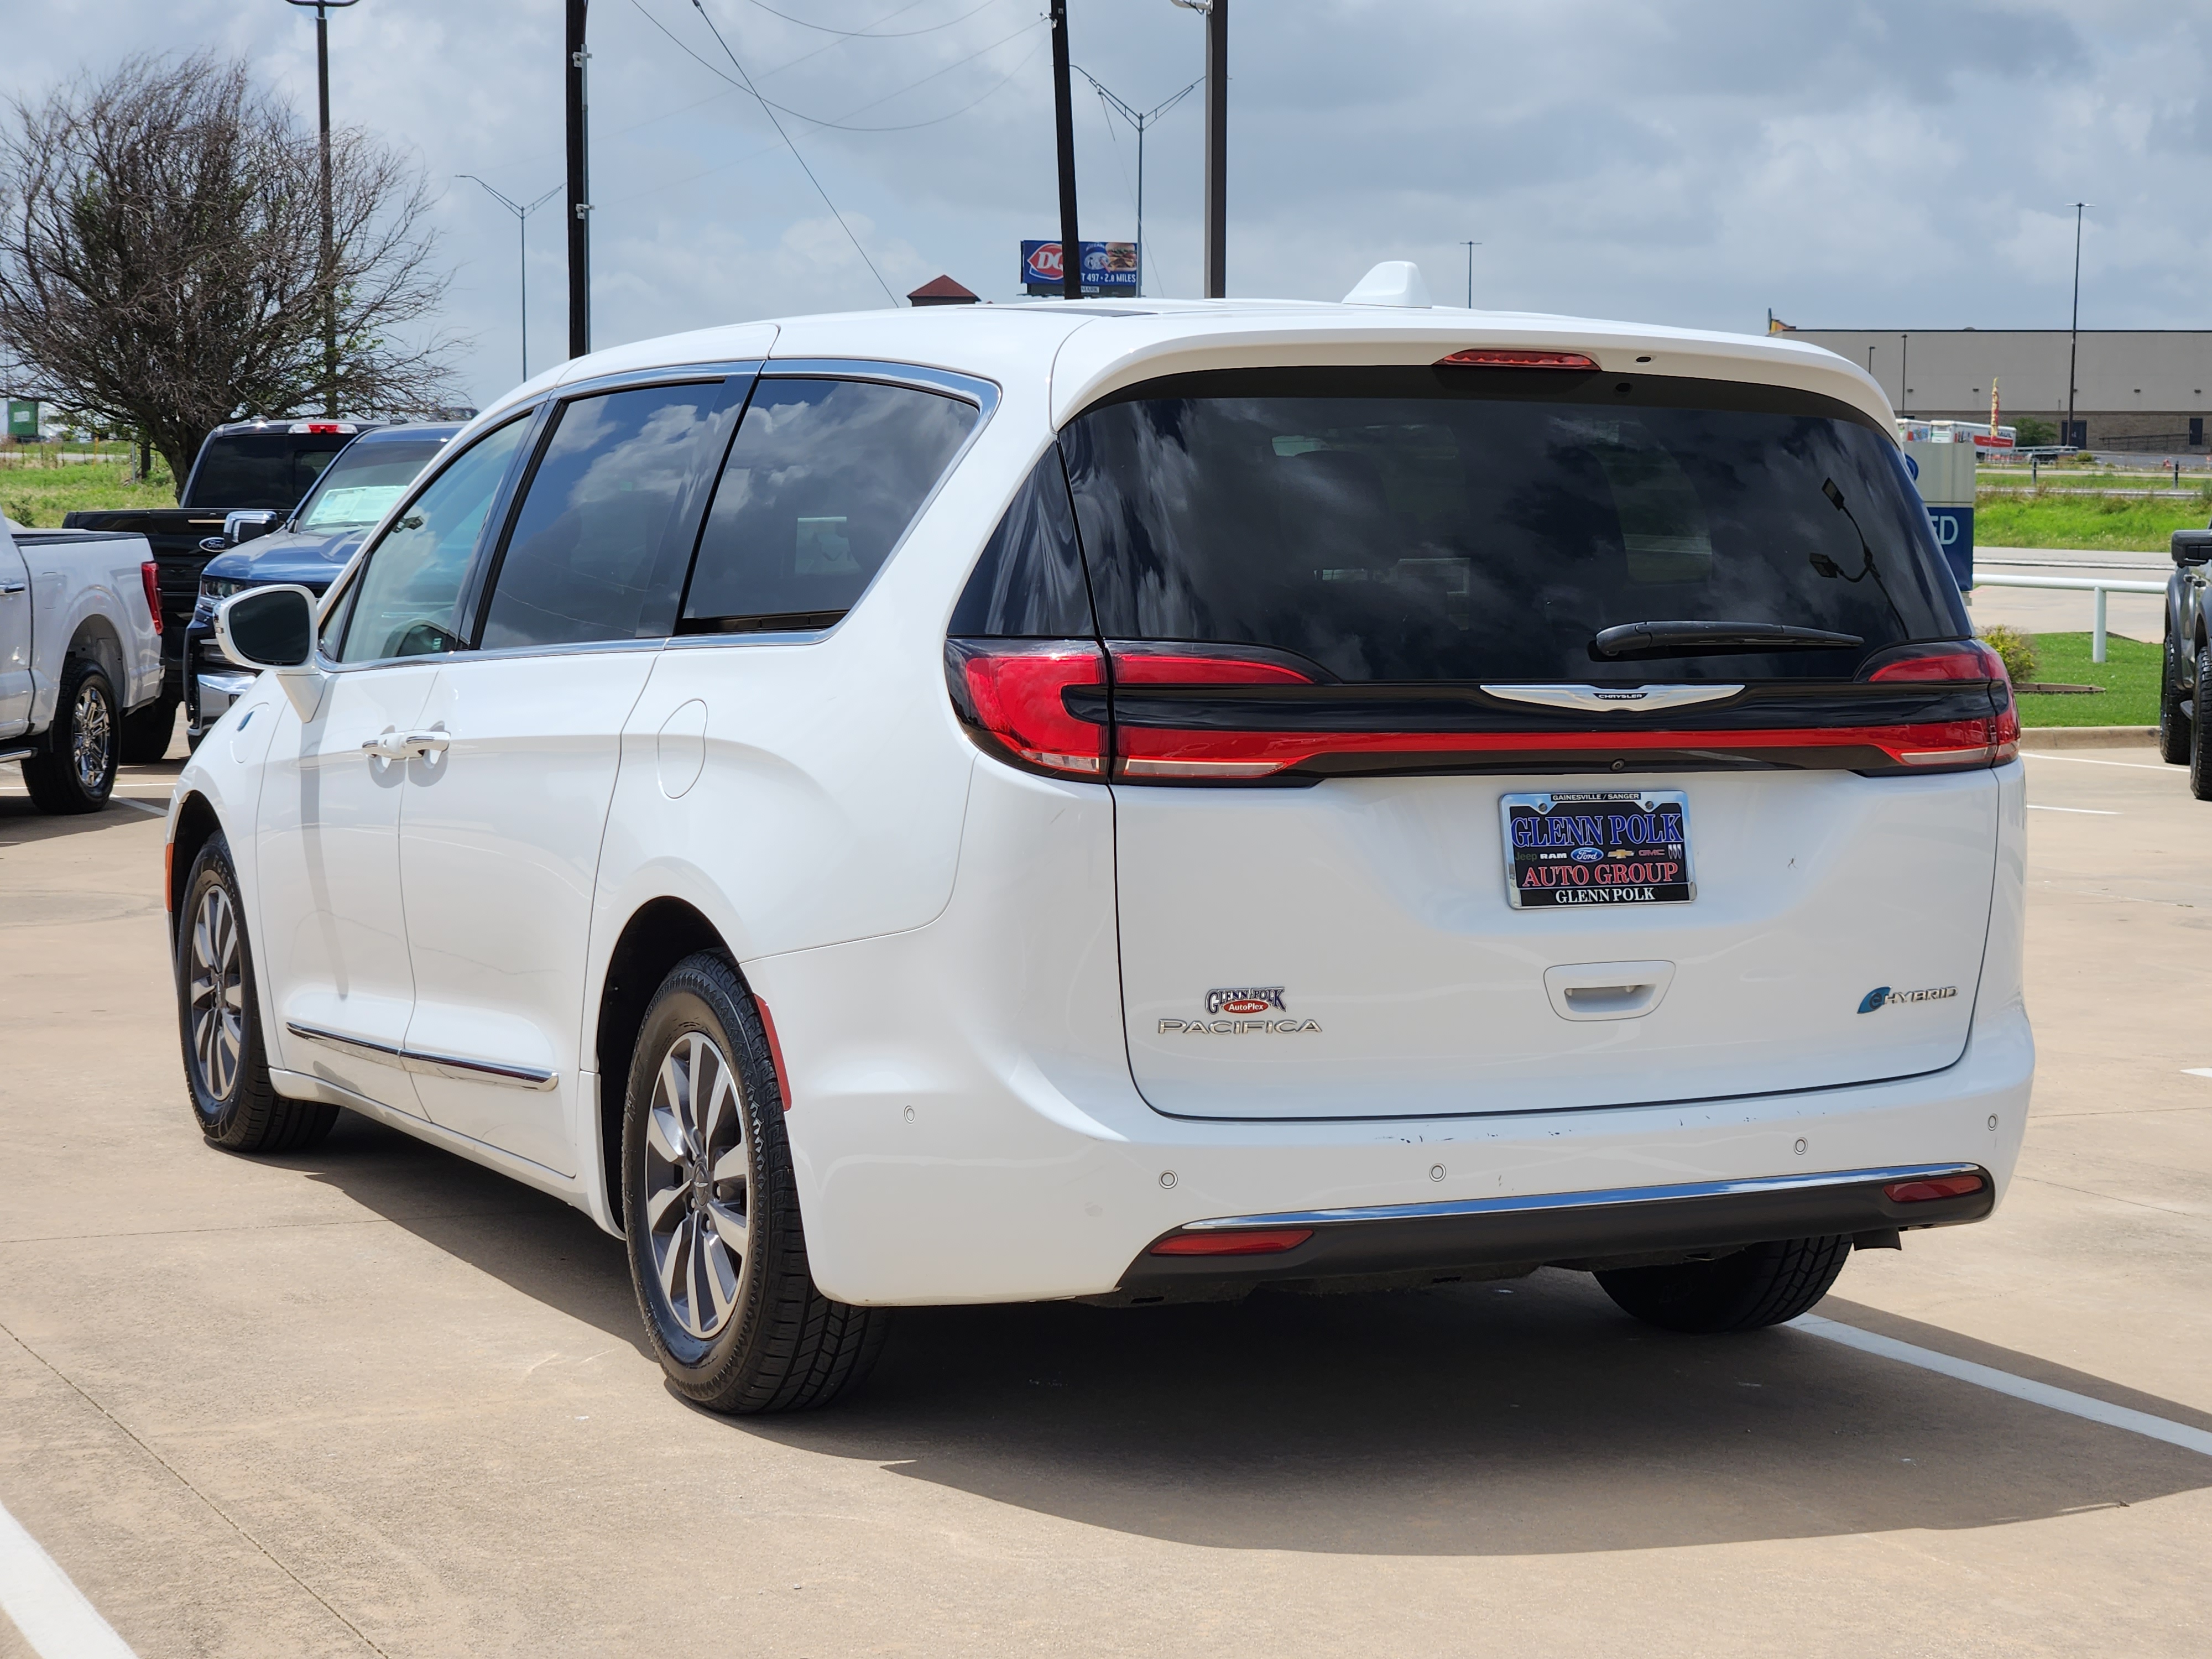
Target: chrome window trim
<point>575,648</point>
<point>1523,1204</point>
<point>973,388</point>
<point>424,1061</point>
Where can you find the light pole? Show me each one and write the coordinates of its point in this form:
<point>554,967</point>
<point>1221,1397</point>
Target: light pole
<point>1140,120</point>
<point>580,185</point>
<point>1470,248</point>
<point>1063,119</point>
<point>1215,13</point>
<point>521,251</point>
<point>2074,335</point>
<point>323,111</point>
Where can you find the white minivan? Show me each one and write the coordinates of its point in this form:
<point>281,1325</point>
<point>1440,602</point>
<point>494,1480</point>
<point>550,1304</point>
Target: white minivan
<point>1137,802</point>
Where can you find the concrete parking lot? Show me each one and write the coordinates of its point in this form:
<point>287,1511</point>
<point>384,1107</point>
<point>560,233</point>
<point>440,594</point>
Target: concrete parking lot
<point>375,1400</point>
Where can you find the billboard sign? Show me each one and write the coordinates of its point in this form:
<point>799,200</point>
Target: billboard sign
<point>1107,268</point>
<point>22,420</point>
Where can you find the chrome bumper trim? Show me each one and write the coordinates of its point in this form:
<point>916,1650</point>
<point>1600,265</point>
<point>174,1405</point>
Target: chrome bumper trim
<point>415,1059</point>
<point>1541,1201</point>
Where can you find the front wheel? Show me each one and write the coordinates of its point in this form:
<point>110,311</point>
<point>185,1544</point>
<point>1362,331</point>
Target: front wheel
<point>226,1067</point>
<point>716,1250</point>
<point>2200,753</point>
<point>1765,1284</point>
<point>76,771</point>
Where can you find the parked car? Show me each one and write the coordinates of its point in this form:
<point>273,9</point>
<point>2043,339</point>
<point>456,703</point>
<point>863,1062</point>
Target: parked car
<point>247,475</point>
<point>309,548</point>
<point>1134,803</point>
<point>2188,662</point>
<point>80,649</point>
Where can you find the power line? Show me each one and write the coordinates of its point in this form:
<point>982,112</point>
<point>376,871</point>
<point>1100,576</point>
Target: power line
<point>795,155</point>
<point>870,33</point>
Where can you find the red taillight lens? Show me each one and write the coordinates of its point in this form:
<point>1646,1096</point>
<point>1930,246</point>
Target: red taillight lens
<point>1249,1241</point>
<point>1511,357</point>
<point>150,573</point>
<point>1944,659</point>
<point>1155,664</point>
<point>1015,690</point>
<point>1167,752</point>
<point>1919,1192</point>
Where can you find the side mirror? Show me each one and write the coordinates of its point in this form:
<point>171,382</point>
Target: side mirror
<point>247,522</point>
<point>272,630</point>
<point>2192,546</point>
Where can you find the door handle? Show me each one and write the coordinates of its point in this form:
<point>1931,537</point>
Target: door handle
<point>1607,990</point>
<point>7,586</point>
<point>391,743</point>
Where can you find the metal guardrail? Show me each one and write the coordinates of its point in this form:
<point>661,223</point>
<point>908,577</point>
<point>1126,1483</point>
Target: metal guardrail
<point>2099,586</point>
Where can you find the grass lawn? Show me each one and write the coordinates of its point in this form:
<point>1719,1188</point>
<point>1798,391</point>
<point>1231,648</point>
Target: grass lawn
<point>2111,523</point>
<point>2129,679</point>
<point>38,495</point>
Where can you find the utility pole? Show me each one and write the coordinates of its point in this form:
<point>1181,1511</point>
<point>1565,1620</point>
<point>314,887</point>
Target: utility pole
<point>2074,341</point>
<point>1141,120</point>
<point>1063,121</point>
<point>1470,248</point>
<point>1904,370</point>
<point>521,250</point>
<point>329,259</point>
<point>579,187</point>
<point>1216,150</point>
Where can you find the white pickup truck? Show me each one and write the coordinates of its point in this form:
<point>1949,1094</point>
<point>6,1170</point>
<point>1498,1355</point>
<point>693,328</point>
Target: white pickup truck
<point>80,648</point>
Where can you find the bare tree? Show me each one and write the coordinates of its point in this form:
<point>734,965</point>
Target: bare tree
<point>162,261</point>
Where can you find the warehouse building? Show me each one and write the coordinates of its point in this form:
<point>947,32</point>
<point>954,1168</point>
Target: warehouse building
<point>2143,389</point>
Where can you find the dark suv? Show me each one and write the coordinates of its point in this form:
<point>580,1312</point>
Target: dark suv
<point>2181,735</point>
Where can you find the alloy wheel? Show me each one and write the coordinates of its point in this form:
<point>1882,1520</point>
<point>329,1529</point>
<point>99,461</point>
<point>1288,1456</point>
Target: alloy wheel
<point>218,993</point>
<point>697,1189</point>
<point>92,737</point>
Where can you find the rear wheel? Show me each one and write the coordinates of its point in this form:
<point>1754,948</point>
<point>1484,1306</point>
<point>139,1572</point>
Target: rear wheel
<point>1765,1285</point>
<point>2200,754</point>
<point>226,1067</point>
<point>147,732</point>
<point>716,1251</point>
<point>75,772</point>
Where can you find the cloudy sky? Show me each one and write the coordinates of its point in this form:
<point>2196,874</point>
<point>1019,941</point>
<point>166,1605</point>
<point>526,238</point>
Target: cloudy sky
<point>1871,164</point>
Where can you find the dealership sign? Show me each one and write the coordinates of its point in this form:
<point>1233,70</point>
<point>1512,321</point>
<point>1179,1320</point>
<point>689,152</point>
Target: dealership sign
<point>1108,267</point>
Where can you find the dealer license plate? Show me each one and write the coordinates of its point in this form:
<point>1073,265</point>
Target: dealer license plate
<point>1598,847</point>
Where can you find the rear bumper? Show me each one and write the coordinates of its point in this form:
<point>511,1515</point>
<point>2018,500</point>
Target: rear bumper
<point>1617,1226</point>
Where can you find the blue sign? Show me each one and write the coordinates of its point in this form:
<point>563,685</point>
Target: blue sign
<point>1108,267</point>
<point>1955,534</point>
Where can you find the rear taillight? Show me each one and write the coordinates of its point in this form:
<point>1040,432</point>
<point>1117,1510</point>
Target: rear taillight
<point>1955,659</point>
<point>1156,752</point>
<point>1514,357</point>
<point>1014,694</point>
<point>1920,1192</point>
<point>150,573</point>
<point>1244,1241</point>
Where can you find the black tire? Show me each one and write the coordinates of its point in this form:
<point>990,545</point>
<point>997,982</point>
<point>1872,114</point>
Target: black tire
<point>219,1021</point>
<point>147,731</point>
<point>1765,1285</point>
<point>2200,753</point>
<point>76,771</point>
<point>741,1328</point>
<point>2172,724</point>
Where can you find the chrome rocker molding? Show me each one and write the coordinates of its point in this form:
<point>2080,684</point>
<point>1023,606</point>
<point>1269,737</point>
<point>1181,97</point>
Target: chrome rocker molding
<point>430,1065</point>
<point>1615,1226</point>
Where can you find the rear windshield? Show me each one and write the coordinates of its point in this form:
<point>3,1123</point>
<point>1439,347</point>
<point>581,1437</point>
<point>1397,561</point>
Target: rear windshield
<point>260,469</point>
<point>1416,525</point>
<point>353,493</point>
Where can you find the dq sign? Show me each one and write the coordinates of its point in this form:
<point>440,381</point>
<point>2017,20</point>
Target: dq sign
<point>1108,267</point>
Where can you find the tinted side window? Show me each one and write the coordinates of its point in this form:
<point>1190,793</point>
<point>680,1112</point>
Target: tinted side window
<point>260,469</point>
<point>597,552</point>
<point>1029,582</point>
<point>403,604</point>
<point>823,480</point>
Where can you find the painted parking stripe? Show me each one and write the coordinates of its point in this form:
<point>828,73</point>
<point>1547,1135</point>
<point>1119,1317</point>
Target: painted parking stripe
<point>2020,1387</point>
<point>2197,1071</point>
<point>2086,812</point>
<point>2084,760</point>
<point>51,1613</point>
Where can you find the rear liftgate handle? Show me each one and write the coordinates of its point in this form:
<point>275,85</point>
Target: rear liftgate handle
<point>1607,990</point>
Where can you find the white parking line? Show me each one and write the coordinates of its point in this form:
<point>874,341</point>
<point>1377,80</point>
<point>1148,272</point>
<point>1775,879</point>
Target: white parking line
<point>2197,1071</point>
<point>2086,812</point>
<point>2084,760</point>
<point>51,1613</point>
<point>2020,1387</point>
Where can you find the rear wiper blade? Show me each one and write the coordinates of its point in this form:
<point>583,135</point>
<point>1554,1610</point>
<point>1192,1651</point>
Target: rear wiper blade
<point>1712,638</point>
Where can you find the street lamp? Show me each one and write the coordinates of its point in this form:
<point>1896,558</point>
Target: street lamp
<point>2074,339</point>
<point>323,110</point>
<point>521,250</point>
<point>1470,248</point>
<point>1140,120</point>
